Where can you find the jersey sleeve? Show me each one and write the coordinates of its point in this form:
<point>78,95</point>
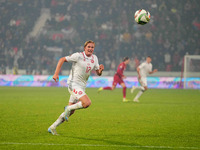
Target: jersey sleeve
<point>141,65</point>
<point>150,68</point>
<point>96,66</point>
<point>72,58</point>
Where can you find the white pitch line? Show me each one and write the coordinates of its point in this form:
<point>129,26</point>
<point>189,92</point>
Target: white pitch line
<point>99,145</point>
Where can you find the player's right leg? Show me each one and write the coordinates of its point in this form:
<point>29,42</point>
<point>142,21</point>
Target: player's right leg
<point>124,92</point>
<point>143,88</point>
<point>52,128</point>
<point>61,118</point>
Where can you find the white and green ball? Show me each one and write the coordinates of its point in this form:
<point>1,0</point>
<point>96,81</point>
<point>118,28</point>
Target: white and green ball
<point>142,16</point>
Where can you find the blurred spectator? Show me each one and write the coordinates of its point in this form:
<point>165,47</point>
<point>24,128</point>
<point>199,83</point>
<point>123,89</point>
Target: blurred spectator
<point>137,62</point>
<point>176,60</point>
<point>132,65</point>
<point>15,70</point>
<point>2,69</point>
<point>167,58</point>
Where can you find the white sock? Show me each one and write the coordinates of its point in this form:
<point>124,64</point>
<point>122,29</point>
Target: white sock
<point>139,94</point>
<point>75,106</point>
<point>59,120</point>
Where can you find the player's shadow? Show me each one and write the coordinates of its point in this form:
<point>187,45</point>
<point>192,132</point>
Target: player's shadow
<point>102,140</point>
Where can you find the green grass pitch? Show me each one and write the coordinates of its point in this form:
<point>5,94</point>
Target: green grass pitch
<point>164,119</point>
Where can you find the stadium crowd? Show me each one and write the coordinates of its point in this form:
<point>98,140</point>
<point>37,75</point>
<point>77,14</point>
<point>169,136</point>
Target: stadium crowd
<point>173,31</point>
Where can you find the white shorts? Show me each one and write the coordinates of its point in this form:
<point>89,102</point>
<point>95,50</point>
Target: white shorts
<point>143,81</point>
<point>76,92</point>
<point>73,100</point>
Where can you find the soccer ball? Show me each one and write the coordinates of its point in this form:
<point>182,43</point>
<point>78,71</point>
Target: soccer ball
<point>142,16</point>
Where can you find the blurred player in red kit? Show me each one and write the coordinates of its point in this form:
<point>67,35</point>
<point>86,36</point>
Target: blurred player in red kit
<point>118,78</point>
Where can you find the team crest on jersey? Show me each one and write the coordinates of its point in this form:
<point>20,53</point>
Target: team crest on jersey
<point>92,61</point>
<point>80,92</point>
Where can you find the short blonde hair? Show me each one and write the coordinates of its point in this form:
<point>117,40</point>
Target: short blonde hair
<point>87,42</point>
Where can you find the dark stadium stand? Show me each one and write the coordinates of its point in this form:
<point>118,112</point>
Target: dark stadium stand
<point>172,32</point>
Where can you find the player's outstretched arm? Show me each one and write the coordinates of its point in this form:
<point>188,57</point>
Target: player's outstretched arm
<point>100,70</point>
<point>155,70</point>
<point>59,65</point>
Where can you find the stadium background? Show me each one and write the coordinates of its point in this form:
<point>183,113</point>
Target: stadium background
<point>35,34</point>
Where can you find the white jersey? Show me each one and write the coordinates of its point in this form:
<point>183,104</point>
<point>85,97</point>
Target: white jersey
<point>145,68</point>
<point>81,68</point>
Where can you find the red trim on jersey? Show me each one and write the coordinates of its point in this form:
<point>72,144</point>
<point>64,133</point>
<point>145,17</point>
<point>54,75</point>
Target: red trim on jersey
<point>92,61</point>
<point>83,56</point>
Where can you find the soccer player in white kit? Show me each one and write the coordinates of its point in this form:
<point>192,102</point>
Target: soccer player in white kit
<point>82,65</point>
<point>143,70</point>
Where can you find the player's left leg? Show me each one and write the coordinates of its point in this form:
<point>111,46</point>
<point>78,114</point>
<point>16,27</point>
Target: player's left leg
<point>104,88</point>
<point>136,87</point>
<point>141,87</point>
<point>107,87</point>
